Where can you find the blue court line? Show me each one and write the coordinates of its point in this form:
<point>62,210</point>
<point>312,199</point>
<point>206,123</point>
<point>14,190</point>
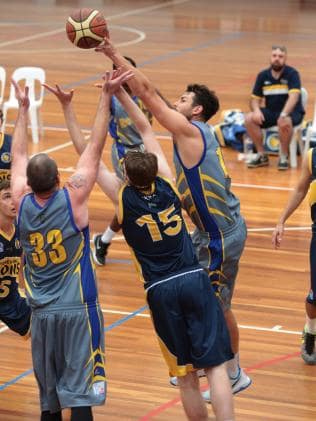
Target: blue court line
<point>106,329</point>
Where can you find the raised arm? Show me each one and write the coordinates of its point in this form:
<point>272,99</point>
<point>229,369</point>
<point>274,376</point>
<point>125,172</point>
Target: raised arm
<point>295,200</point>
<point>19,146</point>
<point>65,99</point>
<point>145,130</point>
<point>141,86</point>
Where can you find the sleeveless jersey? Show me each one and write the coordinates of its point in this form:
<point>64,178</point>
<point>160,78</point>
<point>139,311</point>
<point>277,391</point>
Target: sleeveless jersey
<point>206,187</point>
<point>122,128</point>
<point>10,261</point>
<point>154,229</point>
<point>5,156</point>
<point>58,269</point>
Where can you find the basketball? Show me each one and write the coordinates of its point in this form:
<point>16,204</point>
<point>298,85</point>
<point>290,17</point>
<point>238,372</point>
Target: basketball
<point>86,28</point>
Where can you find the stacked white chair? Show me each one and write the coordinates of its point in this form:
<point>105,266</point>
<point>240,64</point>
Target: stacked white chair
<point>2,81</point>
<point>34,78</point>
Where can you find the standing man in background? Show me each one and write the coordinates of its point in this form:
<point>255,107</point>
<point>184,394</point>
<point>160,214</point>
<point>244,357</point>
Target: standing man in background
<point>306,182</point>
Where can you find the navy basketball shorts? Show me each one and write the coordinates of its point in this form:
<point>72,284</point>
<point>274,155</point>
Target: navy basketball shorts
<point>189,323</point>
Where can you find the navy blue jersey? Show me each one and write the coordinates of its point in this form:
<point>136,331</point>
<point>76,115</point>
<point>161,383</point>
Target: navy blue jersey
<point>276,91</point>
<point>312,189</point>
<point>153,227</point>
<point>5,156</point>
<point>10,261</point>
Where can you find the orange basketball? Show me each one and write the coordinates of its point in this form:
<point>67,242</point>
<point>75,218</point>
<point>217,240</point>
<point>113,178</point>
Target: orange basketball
<point>86,28</point>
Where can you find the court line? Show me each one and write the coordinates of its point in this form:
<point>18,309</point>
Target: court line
<point>106,329</point>
<point>173,402</point>
<point>141,36</point>
<point>108,18</point>
<point>127,317</point>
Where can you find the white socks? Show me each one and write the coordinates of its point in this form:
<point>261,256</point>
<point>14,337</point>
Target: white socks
<point>310,326</point>
<point>107,235</point>
<point>233,367</point>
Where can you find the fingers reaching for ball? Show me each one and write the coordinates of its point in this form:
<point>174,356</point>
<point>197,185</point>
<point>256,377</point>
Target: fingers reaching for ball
<point>114,79</point>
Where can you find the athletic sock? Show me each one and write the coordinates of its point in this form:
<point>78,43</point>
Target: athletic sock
<point>233,368</point>
<point>81,413</point>
<point>47,416</point>
<point>107,235</point>
<point>310,326</point>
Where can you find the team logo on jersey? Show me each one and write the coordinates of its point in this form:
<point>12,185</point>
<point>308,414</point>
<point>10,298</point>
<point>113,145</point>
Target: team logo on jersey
<point>1,248</point>
<point>17,244</point>
<point>6,157</point>
<point>283,81</point>
<point>267,82</point>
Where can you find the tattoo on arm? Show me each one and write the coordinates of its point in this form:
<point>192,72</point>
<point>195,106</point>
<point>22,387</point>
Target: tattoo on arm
<point>77,181</point>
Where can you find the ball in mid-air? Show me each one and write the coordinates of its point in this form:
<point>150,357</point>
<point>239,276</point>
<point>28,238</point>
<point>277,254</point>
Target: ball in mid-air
<point>86,28</point>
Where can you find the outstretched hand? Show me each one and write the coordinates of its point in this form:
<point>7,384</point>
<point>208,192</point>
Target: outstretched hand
<point>277,235</point>
<point>113,80</point>
<point>63,96</point>
<point>106,47</point>
<point>22,95</point>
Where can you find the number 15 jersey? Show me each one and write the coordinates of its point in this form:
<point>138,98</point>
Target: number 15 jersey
<point>154,229</point>
<point>58,270</point>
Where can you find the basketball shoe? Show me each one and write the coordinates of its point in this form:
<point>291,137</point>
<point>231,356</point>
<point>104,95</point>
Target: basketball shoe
<point>100,250</point>
<point>239,383</point>
<point>308,349</point>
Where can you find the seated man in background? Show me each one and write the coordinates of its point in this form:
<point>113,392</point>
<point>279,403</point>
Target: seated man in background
<point>280,87</point>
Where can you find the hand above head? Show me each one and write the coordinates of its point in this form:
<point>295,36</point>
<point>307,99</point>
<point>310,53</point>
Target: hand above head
<point>106,47</point>
<point>22,95</point>
<point>64,97</point>
<point>113,80</point>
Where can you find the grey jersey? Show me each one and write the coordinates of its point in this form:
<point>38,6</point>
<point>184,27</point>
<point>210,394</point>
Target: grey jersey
<point>58,269</point>
<point>206,187</point>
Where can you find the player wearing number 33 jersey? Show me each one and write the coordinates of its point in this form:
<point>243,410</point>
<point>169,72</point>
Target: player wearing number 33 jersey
<point>61,287</point>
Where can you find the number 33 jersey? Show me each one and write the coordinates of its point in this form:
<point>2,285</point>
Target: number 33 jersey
<point>154,229</point>
<point>58,269</point>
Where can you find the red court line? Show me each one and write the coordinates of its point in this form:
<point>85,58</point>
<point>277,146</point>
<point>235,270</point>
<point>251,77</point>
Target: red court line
<point>175,401</point>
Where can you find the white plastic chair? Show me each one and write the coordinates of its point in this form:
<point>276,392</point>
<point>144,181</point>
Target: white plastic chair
<point>36,95</point>
<point>311,131</point>
<point>2,81</point>
<point>296,136</point>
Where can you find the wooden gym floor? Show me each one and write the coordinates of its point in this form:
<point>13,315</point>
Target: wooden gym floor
<point>223,44</point>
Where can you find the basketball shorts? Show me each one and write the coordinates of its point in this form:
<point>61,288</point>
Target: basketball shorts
<point>17,315</point>
<point>311,298</point>
<point>271,118</point>
<point>189,323</point>
<point>68,357</point>
<point>219,256</point>
<point>118,153</point>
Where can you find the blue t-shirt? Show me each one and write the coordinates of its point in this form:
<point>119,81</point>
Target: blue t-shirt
<point>276,91</point>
